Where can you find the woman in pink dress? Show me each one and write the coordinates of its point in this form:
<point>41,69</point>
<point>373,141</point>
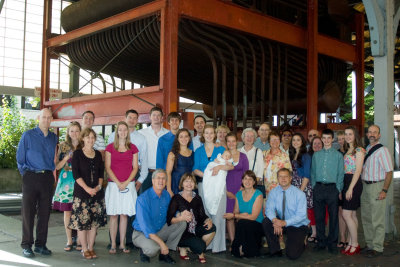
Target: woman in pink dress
<point>121,166</point>
<point>234,180</point>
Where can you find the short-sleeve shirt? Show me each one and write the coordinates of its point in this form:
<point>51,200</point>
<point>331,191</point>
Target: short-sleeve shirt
<point>121,162</point>
<point>350,161</point>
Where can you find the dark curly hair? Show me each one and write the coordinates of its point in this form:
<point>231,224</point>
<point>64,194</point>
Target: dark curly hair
<point>303,150</point>
<point>176,147</point>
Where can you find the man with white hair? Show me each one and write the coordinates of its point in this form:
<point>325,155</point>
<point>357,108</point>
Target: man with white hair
<point>35,159</point>
<point>152,234</point>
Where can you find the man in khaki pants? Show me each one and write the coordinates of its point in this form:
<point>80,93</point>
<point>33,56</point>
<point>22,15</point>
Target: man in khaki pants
<point>376,176</point>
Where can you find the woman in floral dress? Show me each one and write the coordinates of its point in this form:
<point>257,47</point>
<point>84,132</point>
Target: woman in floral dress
<point>63,196</point>
<point>275,159</point>
<point>301,163</point>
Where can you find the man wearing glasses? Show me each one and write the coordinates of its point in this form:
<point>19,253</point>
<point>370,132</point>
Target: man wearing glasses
<point>262,139</point>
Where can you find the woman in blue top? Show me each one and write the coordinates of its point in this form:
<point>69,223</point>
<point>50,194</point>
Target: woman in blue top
<point>301,164</point>
<point>202,156</point>
<point>247,211</point>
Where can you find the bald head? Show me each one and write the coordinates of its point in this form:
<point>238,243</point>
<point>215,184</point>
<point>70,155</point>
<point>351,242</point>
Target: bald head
<point>311,134</point>
<point>45,117</point>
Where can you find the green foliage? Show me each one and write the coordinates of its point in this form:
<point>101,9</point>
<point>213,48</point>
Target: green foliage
<point>13,125</point>
<point>368,101</point>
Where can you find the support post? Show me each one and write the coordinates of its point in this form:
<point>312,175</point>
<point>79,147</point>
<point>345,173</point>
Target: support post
<point>312,64</point>
<point>169,56</point>
<point>381,18</point>
<point>45,75</point>
<point>359,70</point>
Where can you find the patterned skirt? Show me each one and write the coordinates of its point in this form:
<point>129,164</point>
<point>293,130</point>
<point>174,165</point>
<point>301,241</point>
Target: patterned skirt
<point>87,214</point>
<point>63,196</point>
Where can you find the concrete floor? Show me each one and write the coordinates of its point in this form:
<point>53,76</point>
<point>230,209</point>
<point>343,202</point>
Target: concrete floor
<point>10,251</point>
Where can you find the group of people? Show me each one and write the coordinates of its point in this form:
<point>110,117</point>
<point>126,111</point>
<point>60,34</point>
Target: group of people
<point>166,189</point>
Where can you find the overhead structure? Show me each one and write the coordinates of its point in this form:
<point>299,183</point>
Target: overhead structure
<point>245,62</point>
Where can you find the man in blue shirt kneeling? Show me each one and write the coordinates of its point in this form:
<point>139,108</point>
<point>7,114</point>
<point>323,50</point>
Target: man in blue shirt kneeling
<point>151,232</point>
<point>286,213</point>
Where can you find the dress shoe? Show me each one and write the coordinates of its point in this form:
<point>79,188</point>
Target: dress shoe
<point>277,254</point>
<point>365,250</point>
<point>43,250</point>
<point>318,248</point>
<point>27,252</point>
<point>143,257</point>
<point>373,254</point>
<point>333,250</point>
<point>166,258</point>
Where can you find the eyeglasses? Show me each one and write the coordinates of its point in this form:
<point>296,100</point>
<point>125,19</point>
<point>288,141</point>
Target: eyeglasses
<point>312,135</point>
<point>286,135</point>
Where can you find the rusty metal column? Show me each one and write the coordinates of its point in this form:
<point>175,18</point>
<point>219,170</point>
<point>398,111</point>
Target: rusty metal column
<point>45,74</point>
<point>359,69</point>
<point>312,64</point>
<point>169,56</point>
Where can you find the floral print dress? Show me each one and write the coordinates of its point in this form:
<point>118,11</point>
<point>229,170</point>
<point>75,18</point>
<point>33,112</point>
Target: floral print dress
<point>273,163</point>
<point>63,196</point>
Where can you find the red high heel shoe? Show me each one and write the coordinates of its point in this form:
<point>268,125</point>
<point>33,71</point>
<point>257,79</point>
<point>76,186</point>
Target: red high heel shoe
<point>345,250</point>
<point>356,251</point>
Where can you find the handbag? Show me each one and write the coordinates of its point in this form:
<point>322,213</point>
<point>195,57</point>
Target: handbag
<point>260,187</point>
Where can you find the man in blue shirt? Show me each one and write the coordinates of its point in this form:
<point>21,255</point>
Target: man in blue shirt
<point>262,139</point>
<point>327,172</point>
<point>35,159</point>
<point>165,142</point>
<point>286,213</point>
<point>151,232</point>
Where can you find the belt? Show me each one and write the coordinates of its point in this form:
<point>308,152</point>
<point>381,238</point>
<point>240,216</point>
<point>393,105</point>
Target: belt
<point>39,171</point>
<point>372,182</point>
<point>152,170</point>
<point>325,184</point>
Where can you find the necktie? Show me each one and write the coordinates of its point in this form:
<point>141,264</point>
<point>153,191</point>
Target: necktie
<point>283,205</point>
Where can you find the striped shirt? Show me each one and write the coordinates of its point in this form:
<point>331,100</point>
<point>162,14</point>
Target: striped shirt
<point>377,165</point>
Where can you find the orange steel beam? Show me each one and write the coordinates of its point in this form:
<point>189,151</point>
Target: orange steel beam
<point>312,64</point>
<point>45,74</point>
<point>359,69</point>
<point>169,56</point>
<point>244,20</point>
<point>104,24</point>
<point>107,105</point>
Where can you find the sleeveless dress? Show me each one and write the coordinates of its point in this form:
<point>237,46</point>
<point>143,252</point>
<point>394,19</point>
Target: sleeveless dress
<point>63,196</point>
<point>183,165</point>
<point>234,180</point>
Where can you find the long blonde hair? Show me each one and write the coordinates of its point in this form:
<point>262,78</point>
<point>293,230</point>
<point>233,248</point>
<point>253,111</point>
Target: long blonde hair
<point>127,140</point>
<point>67,137</point>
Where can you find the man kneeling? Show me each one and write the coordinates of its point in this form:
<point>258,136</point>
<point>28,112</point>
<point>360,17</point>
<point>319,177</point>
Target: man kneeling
<point>286,213</point>
<point>152,234</point>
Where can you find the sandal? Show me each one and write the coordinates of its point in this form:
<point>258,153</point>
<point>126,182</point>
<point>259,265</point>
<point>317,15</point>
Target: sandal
<point>125,250</point>
<point>112,251</point>
<point>183,257</point>
<point>93,254</point>
<point>68,248</point>
<point>312,239</point>
<point>202,260</point>
<point>342,244</point>
<point>86,254</point>
<point>79,247</point>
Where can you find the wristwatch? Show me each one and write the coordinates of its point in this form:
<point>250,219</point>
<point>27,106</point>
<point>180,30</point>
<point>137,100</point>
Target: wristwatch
<point>384,190</point>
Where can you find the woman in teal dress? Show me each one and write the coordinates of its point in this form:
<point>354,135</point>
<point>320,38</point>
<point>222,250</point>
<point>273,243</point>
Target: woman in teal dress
<point>63,196</point>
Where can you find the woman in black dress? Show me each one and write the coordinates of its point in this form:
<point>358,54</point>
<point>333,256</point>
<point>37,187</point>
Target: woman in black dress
<point>188,206</point>
<point>88,208</point>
